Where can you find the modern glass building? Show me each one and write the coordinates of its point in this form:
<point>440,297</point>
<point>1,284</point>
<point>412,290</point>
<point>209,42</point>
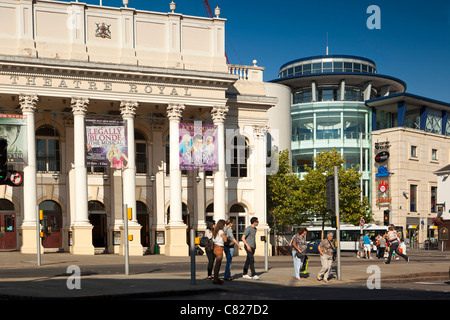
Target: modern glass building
<point>328,108</point>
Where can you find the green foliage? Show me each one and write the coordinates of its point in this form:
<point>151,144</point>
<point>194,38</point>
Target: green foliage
<point>313,190</point>
<point>283,191</point>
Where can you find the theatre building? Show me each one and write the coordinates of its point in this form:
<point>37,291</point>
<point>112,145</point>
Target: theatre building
<point>96,103</point>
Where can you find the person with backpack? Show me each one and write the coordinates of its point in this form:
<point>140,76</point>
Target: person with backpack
<point>393,245</point>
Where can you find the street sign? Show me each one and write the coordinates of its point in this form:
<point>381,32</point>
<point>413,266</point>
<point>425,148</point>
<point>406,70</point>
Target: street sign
<point>15,178</point>
<point>362,222</point>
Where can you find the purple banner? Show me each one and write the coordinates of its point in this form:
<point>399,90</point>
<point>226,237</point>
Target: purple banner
<point>106,143</point>
<point>198,144</point>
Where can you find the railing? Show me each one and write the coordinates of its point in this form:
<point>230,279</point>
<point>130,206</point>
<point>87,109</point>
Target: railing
<point>248,73</point>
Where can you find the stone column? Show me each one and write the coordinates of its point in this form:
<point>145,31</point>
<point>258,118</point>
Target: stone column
<point>128,111</point>
<point>176,230</point>
<point>259,174</point>
<point>218,115</point>
<point>81,228</point>
<point>28,107</point>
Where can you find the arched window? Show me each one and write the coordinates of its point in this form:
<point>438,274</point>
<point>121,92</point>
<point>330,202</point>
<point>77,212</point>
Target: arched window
<point>239,157</point>
<point>141,152</point>
<point>48,149</point>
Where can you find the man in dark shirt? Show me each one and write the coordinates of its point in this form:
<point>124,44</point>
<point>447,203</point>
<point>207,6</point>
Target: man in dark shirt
<point>249,240</point>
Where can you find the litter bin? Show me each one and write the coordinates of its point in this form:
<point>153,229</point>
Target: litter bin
<point>156,249</point>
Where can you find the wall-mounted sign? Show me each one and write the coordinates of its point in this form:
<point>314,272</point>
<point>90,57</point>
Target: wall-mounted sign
<point>382,156</point>
<point>382,172</point>
<point>382,145</point>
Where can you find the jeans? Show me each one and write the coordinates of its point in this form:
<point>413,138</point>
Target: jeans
<point>250,261</point>
<point>211,258</point>
<point>297,264</point>
<point>229,252</point>
<point>394,247</point>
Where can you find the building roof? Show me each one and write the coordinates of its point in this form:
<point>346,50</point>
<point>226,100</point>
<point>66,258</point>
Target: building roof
<point>408,98</point>
<point>443,170</point>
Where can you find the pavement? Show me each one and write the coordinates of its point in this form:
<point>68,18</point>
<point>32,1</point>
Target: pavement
<point>157,276</point>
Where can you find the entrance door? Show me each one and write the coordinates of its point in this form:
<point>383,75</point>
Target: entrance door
<point>8,237</point>
<point>51,224</point>
<point>143,220</point>
<point>97,217</point>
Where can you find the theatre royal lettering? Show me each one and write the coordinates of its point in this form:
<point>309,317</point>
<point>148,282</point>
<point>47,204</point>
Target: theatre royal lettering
<point>98,85</point>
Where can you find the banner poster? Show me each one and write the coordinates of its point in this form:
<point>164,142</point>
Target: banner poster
<point>13,128</point>
<point>198,145</point>
<point>106,143</point>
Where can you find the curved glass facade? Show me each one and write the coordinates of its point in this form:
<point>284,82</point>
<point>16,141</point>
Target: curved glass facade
<point>327,64</point>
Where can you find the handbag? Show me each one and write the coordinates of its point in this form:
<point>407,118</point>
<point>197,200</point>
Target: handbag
<point>300,255</point>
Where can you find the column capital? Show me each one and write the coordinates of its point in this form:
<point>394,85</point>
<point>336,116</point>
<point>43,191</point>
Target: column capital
<point>79,105</point>
<point>218,113</point>
<point>174,111</point>
<point>128,108</point>
<point>260,131</point>
<point>28,102</point>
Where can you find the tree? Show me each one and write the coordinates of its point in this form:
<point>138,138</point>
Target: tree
<point>313,190</point>
<point>283,192</point>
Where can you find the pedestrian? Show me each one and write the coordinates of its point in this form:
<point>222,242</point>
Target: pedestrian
<point>298,243</point>
<point>359,253</point>
<point>367,246</point>
<point>209,249</point>
<point>382,247</point>
<point>229,248</point>
<point>326,249</point>
<point>249,239</point>
<point>394,243</point>
<point>219,239</point>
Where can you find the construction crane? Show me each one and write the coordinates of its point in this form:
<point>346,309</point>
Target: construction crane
<point>210,14</point>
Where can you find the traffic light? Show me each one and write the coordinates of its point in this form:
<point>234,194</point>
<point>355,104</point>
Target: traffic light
<point>3,161</point>
<point>334,222</point>
<point>386,218</point>
<point>330,193</point>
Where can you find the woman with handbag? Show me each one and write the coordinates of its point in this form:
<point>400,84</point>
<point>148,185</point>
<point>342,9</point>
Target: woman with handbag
<point>298,243</point>
<point>229,248</point>
<point>219,239</point>
<point>209,247</point>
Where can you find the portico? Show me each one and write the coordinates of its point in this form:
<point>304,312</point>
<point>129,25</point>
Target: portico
<point>152,96</point>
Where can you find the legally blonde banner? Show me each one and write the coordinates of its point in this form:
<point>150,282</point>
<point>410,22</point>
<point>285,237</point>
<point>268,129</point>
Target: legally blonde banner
<point>106,143</point>
<point>198,144</point>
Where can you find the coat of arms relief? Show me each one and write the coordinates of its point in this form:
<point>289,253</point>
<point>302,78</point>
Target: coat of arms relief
<point>103,30</point>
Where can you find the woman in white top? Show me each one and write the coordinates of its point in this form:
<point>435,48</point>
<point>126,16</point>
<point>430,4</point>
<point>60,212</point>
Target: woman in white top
<point>219,239</point>
<point>393,245</point>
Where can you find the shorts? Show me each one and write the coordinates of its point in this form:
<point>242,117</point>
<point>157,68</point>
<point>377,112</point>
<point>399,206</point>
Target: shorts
<point>367,247</point>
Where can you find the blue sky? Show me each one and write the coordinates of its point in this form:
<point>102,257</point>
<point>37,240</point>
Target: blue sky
<point>413,43</point>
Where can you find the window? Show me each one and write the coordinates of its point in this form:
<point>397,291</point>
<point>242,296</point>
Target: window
<point>434,154</point>
<point>433,208</point>
<point>47,149</point>
<point>317,67</point>
<point>327,67</point>
<point>338,67</point>
<point>414,151</point>
<point>141,152</point>
<point>413,198</point>
<point>239,157</point>
<point>306,69</point>
<point>348,67</point>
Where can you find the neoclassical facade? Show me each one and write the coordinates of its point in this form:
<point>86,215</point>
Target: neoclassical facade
<point>62,63</point>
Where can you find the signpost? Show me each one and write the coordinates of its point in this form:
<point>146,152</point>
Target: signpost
<point>338,225</point>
